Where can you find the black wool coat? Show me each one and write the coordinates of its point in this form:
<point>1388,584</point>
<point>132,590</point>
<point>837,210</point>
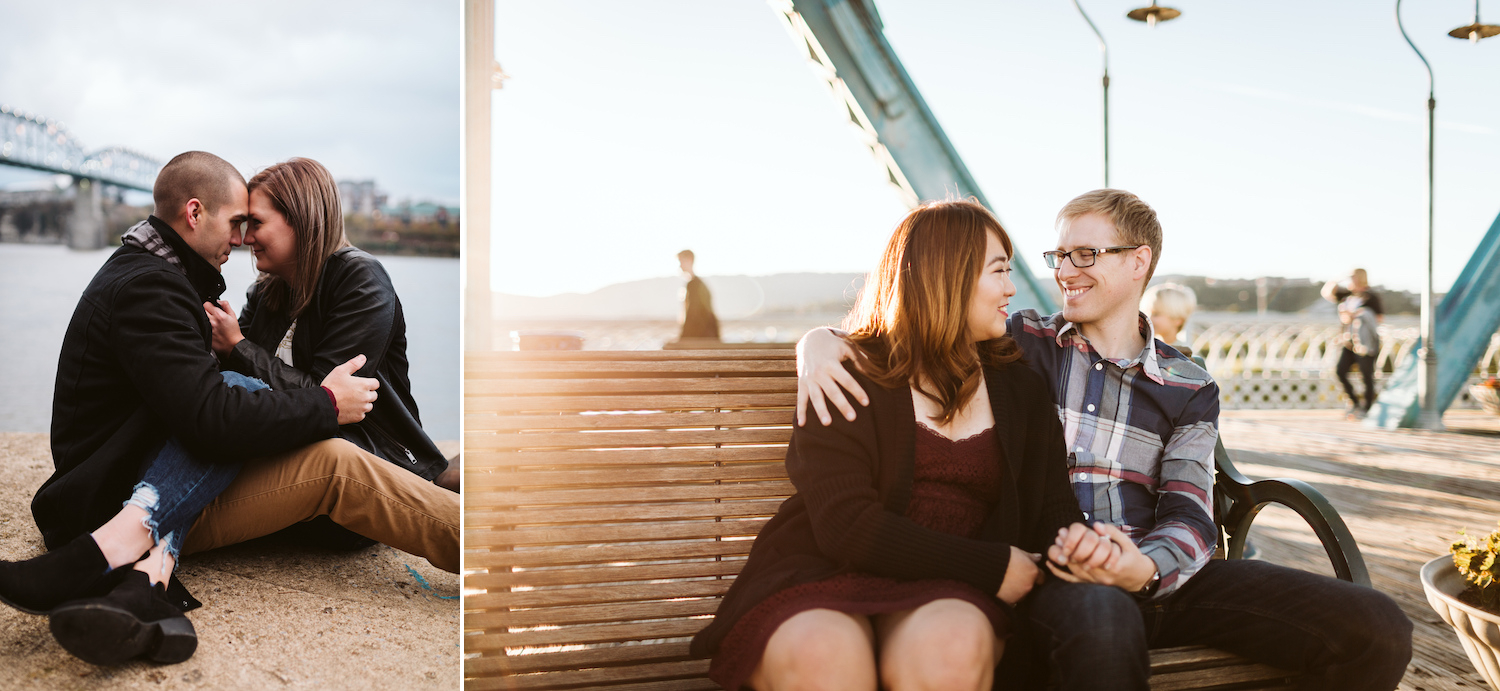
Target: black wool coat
<point>854,481</point>
<point>354,311</point>
<point>136,368</point>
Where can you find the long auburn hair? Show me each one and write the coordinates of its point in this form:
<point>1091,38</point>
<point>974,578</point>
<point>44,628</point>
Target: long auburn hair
<point>304,192</point>
<point>911,320</point>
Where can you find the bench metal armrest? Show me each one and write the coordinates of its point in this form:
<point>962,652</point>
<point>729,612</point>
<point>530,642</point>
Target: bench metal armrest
<point>1237,501</point>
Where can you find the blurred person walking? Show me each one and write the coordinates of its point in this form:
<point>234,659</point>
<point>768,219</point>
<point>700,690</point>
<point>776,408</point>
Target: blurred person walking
<point>1360,314</point>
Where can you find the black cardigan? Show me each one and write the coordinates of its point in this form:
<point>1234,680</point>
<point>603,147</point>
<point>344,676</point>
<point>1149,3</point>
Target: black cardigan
<point>354,311</point>
<point>854,482</point>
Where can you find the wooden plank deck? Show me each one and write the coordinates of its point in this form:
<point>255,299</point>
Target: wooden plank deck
<point>1404,495</point>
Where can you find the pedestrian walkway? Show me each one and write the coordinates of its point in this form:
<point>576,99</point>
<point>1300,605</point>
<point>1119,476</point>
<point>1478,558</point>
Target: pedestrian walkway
<point>1404,494</point>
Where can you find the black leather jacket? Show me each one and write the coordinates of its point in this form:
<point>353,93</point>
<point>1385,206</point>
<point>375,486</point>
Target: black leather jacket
<point>354,311</point>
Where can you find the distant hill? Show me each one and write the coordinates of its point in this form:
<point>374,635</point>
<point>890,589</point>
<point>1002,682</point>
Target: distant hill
<point>832,294</point>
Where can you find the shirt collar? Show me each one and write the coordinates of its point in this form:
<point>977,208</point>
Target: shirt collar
<point>1147,360</point>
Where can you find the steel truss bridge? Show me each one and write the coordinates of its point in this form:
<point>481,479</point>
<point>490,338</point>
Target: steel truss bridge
<point>31,141</point>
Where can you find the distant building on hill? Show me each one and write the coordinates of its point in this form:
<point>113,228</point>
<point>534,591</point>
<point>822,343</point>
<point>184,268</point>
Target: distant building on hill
<point>361,197</point>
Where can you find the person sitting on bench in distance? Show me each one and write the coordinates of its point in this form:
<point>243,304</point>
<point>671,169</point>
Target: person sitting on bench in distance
<point>916,527</point>
<point>1141,427</point>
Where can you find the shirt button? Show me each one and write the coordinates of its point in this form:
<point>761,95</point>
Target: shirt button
<point>1086,516</point>
<point>1080,477</point>
<point>1091,407</point>
<point>1078,450</point>
<point>1098,365</point>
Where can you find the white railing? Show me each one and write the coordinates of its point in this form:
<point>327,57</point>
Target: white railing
<point>1291,364</point>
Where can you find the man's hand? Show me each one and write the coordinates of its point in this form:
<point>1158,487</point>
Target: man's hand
<point>226,327</point>
<point>1104,555</point>
<point>820,376</point>
<point>354,396</point>
<point>1021,576</point>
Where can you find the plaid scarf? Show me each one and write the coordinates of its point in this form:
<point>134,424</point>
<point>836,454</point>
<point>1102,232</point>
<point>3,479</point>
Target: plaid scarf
<point>144,236</point>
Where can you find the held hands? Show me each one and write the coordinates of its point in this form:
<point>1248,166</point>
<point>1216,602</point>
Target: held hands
<point>1103,555</point>
<point>820,376</point>
<point>1021,576</point>
<point>355,396</point>
<point>226,327</point>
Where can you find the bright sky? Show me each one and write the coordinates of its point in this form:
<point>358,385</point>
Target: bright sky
<point>368,88</point>
<point>1285,143</point>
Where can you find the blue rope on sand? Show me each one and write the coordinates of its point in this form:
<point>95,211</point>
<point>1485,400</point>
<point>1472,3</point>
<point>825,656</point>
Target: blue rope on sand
<point>425,585</point>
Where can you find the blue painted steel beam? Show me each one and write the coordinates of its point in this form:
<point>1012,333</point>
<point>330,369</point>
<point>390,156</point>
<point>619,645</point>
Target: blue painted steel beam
<point>1466,319</point>
<point>845,41</point>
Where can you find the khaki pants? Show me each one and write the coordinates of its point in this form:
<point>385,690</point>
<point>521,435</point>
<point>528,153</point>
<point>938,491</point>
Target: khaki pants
<point>358,490</point>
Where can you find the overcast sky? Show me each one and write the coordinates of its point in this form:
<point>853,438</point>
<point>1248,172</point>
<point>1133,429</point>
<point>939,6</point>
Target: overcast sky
<point>368,88</point>
<point>1280,140</point>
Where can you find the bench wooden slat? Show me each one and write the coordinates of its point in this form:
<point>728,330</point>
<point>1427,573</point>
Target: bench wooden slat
<point>644,479</point>
<point>700,401</point>
<point>597,677</point>
<point>488,441</point>
<point>604,554</point>
<point>603,633</point>
<point>623,533</point>
<point>638,457</point>
<point>547,497</point>
<point>485,358</point>
<point>589,614</point>
<point>690,684</point>
<point>564,662</point>
<point>603,574</point>
<point>482,518</point>
<point>593,595</point>
<point>594,387</point>
<point>631,367</point>
<point>655,421</point>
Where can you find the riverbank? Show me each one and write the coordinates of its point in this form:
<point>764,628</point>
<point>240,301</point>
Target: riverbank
<point>273,616</point>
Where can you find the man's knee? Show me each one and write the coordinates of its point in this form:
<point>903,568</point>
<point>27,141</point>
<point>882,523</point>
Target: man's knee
<point>1087,613</point>
<point>1381,631</point>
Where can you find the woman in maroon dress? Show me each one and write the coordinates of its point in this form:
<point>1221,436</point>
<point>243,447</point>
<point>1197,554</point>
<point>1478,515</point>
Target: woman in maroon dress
<point>916,526</point>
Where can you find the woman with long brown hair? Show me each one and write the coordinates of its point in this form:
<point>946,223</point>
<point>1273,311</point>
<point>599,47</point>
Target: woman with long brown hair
<point>318,302</point>
<point>916,527</point>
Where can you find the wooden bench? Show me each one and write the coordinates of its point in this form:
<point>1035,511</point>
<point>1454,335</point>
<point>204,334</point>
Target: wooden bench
<point>612,496</point>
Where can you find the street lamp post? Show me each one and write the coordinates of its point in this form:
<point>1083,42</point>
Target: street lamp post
<point>1103,50</point>
<point>1427,382</point>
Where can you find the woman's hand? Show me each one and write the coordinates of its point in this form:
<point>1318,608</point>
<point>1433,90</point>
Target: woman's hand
<point>1104,555</point>
<point>820,376</point>
<point>1021,576</point>
<point>226,326</point>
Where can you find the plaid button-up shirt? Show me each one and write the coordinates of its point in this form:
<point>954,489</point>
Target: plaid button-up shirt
<point>1141,436</point>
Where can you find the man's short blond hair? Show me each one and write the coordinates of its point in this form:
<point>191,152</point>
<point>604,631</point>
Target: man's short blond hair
<point>1169,300</point>
<point>1134,220</point>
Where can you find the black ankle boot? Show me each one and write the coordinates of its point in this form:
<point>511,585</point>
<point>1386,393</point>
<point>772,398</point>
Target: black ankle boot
<point>134,619</point>
<point>39,584</point>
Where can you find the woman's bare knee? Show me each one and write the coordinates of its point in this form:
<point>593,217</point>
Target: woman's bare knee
<point>818,649</point>
<point>945,644</point>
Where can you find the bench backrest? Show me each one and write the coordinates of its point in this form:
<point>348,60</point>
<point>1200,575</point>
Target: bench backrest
<point>610,498</point>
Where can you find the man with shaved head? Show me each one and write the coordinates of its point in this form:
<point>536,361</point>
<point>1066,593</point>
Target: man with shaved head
<point>154,447</point>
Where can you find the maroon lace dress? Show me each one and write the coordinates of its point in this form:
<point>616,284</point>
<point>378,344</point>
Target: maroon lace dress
<point>955,486</point>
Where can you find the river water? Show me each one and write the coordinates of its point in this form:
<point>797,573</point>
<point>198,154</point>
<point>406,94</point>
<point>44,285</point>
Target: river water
<point>40,286</point>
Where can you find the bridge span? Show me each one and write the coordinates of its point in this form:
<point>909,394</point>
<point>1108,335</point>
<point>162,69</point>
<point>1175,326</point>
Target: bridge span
<point>38,143</point>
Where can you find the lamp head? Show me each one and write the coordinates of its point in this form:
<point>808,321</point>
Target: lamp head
<point>1153,14</point>
<point>1475,31</point>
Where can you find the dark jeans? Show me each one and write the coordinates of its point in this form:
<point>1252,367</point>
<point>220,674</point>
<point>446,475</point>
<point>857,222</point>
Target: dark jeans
<point>1340,635</point>
<point>176,485</point>
<point>1366,371</point>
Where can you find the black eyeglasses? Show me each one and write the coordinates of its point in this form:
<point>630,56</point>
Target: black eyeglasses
<point>1083,257</point>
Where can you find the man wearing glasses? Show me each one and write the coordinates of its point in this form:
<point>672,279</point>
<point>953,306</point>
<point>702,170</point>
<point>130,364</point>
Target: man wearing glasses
<point>1141,422</point>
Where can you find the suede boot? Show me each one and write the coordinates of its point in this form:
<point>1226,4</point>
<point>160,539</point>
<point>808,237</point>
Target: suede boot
<point>40,584</point>
<point>135,619</point>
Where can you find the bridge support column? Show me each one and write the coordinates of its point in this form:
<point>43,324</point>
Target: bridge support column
<point>86,225</point>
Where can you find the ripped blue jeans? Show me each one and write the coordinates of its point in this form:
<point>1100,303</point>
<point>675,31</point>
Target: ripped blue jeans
<point>176,486</point>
